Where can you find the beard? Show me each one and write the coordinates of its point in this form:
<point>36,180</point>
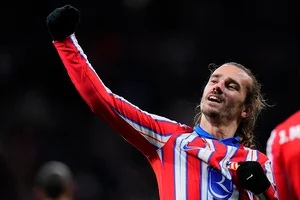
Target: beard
<point>212,113</point>
<point>226,111</point>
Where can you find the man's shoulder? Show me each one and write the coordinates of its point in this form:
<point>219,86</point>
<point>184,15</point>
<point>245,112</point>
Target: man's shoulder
<point>183,128</point>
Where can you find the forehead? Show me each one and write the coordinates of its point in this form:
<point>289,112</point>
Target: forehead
<point>230,71</point>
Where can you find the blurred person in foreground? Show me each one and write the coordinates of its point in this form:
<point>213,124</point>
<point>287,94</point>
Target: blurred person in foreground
<point>54,181</point>
<point>213,160</point>
<point>283,149</point>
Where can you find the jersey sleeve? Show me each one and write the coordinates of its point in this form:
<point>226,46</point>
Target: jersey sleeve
<point>143,130</point>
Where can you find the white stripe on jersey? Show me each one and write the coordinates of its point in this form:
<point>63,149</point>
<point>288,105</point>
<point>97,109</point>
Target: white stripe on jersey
<point>223,163</point>
<point>153,116</point>
<point>160,155</point>
<point>155,139</point>
<point>205,153</point>
<point>269,173</point>
<point>180,164</point>
<point>252,154</point>
<point>204,181</point>
<point>236,193</point>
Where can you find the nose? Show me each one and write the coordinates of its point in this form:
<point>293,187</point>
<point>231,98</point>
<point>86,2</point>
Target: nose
<point>218,88</point>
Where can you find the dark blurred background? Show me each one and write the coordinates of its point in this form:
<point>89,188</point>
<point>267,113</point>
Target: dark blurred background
<point>154,53</point>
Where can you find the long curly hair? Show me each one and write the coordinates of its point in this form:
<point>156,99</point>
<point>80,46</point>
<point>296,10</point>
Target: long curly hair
<point>254,99</point>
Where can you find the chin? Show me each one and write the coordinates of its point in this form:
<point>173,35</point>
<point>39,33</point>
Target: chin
<point>213,113</point>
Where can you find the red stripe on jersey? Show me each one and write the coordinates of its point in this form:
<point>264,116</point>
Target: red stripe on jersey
<point>168,155</point>
<point>152,138</point>
<point>193,177</point>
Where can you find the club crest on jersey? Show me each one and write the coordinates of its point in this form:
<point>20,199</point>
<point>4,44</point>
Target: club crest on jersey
<point>218,185</point>
<point>232,165</point>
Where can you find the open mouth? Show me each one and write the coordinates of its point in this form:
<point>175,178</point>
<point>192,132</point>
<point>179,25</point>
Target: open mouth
<point>214,99</point>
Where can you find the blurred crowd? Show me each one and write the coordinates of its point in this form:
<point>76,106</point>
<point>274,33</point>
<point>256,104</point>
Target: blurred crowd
<point>153,53</point>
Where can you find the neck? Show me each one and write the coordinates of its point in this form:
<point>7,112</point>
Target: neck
<point>218,128</point>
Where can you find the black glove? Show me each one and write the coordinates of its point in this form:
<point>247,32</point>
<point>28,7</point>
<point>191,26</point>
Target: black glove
<point>252,177</point>
<point>63,22</point>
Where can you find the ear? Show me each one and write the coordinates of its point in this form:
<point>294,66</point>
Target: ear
<point>246,112</point>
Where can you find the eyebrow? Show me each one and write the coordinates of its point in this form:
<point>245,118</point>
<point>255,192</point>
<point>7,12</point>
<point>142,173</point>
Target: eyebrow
<point>216,75</point>
<point>230,79</point>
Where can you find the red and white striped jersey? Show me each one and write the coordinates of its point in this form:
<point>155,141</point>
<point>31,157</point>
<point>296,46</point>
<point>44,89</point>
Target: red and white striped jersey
<point>188,164</point>
<point>283,149</point>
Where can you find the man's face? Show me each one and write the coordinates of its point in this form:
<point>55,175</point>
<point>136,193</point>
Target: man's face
<point>225,93</point>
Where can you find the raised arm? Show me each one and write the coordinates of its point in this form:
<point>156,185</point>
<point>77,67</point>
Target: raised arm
<point>145,131</point>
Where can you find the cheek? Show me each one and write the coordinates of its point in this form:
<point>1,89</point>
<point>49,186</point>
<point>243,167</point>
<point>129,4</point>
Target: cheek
<point>236,102</point>
<point>234,99</point>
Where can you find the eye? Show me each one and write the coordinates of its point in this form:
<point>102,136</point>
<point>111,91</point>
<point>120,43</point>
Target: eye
<point>232,87</point>
<point>213,81</point>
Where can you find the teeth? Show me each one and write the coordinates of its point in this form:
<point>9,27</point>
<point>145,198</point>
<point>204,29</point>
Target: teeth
<point>214,98</point>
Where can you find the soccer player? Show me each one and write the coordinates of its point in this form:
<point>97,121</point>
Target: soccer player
<point>283,149</point>
<point>54,180</point>
<point>213,160</point>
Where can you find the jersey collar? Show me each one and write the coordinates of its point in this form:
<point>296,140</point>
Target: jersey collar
<point>234,141</point>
